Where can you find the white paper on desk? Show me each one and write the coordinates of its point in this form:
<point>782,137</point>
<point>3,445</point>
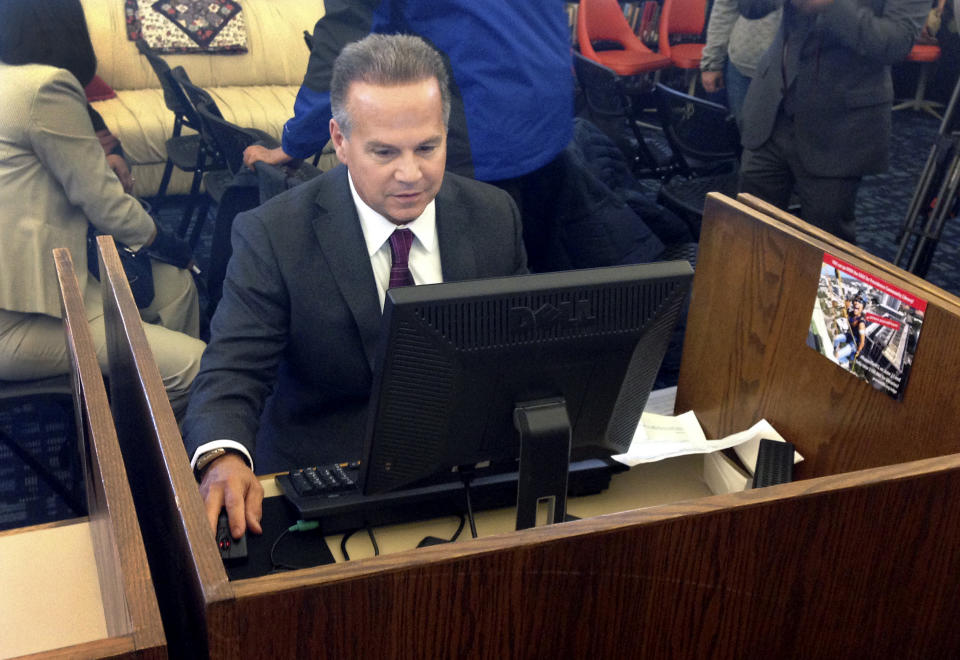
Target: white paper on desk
<point>722,475</point>
<point>662,436</point>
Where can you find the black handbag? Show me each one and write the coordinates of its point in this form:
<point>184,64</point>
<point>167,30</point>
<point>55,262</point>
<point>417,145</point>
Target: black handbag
<point>136,264</point>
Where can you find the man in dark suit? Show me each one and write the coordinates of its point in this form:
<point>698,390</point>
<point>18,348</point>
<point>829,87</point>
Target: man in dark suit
<point>817,115</point>
<point>287,375</point>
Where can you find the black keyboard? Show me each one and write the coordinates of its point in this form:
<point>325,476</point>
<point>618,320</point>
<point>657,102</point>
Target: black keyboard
<point>331,494</point>
<point>325,480</point>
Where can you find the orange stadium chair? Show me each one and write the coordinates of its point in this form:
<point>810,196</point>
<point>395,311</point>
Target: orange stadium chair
<point>603,20</point>
<point>684,19</point>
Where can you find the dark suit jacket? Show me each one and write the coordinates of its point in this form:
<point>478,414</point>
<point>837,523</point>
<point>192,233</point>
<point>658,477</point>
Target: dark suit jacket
<point>839,90</point>
<point>290,362</point>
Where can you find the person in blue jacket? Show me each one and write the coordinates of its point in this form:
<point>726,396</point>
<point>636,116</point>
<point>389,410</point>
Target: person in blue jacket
<point>511,79</point>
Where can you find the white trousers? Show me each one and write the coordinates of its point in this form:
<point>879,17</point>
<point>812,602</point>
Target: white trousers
<point>34,346</point>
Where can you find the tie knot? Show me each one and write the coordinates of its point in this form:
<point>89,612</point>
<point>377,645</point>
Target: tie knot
<point>400,242</point>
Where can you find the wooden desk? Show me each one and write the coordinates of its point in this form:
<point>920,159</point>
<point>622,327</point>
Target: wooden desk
<point>48,573</point>
<point>82,588</point>
<point>672,480</point>
<point>650,484</point>
<point>843,564</point>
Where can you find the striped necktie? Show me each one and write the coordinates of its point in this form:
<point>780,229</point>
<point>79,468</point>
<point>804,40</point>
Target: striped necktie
<point>400,242</point>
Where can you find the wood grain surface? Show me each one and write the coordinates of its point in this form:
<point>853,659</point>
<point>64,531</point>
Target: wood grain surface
<point>126,586</point>
<point>745,356</point>
<point>181,549</point>
<point>852,563</point>
<point>840,566</point>
<point>877,264</point>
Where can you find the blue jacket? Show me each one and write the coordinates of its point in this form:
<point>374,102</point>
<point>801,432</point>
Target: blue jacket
<point>511,77</point>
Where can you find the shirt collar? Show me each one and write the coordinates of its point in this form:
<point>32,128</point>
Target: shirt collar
<point>377,229</point>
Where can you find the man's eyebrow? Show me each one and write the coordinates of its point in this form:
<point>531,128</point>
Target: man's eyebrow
<point>376,144</point>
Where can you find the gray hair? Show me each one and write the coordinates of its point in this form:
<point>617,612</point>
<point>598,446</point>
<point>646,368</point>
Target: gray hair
<point>382,59</point>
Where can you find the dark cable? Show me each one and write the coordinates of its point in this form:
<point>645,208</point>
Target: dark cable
<point>373,540</point>
<point>300,526</point>
<point>274,564</point>
<point>466,492</point>
<point>456,534</point>
<point>346,537</point>
<point>343,544</point>
<point>433,540</point>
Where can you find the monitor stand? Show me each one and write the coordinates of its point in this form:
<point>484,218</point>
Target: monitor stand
<point>545,438</point>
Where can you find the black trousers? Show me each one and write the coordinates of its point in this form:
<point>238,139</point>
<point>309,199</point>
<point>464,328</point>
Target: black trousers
<point>774,172</point>
<point>536,195</point>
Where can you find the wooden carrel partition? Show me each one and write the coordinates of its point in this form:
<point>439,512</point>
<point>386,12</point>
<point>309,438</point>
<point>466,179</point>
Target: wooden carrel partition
<point>845,564</point>
<point>131,617</point>
<point>189,573</point>
<point>746,358</point>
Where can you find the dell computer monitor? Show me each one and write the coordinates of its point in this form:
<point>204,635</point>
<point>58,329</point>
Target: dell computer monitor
<point>468,372</point>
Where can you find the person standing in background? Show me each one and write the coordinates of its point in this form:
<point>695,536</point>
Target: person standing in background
<point>511,81</point>
<point>733,49</point>
<point>816,118</point>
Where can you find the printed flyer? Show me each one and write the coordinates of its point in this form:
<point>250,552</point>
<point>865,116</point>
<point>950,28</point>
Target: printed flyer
<point>866,325</point>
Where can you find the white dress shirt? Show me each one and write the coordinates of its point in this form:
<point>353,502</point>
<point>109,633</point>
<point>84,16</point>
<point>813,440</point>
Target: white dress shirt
<point>424,259</point>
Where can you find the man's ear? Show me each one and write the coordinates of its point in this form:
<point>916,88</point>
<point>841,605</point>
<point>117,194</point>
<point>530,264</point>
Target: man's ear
<point>338,139</point>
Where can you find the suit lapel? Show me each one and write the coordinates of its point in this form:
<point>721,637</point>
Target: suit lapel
<point>454,228</point>
<point>798,28</point>
<point>338,232</point>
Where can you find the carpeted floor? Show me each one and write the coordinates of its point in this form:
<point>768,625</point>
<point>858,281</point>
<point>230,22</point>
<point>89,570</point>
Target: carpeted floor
<point>883,200</point>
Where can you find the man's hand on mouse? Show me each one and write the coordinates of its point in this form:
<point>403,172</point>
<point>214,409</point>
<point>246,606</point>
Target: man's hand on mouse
<point>229,482</point>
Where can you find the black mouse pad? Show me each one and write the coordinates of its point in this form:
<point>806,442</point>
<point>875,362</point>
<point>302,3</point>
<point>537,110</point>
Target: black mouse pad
<point>294,550</point>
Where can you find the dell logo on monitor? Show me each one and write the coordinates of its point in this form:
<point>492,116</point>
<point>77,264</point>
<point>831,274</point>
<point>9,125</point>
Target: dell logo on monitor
<point>570,314</point>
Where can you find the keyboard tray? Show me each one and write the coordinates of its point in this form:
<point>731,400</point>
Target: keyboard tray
<point>352,510</point>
